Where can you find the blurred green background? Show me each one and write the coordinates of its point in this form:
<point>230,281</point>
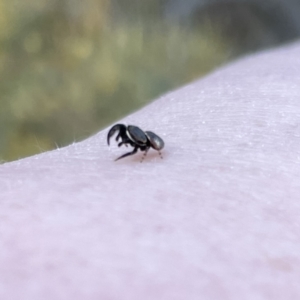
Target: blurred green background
<point>70,67</point>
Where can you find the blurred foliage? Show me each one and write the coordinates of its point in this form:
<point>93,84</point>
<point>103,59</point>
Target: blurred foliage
<point>70,67</point>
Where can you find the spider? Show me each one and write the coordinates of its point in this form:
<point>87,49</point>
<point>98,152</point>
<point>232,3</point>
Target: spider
<point>137,138</point>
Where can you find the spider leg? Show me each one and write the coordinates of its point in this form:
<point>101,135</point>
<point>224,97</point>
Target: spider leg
<point>122,143</point>
<point>160,154</point>
<point>118,136</point>
<point>118,127</point>
<point>128,153</point>
<point>145,153</point>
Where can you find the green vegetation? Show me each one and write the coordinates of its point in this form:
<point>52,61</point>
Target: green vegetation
<point>69,69</point>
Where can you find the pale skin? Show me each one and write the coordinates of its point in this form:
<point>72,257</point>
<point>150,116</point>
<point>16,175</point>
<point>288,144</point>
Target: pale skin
<point>217,218</point>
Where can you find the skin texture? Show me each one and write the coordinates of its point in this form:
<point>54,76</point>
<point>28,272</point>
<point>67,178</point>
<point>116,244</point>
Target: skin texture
<point>217,218</point>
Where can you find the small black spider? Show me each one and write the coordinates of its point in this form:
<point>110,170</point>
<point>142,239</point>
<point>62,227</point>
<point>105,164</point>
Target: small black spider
<point>137,138</point>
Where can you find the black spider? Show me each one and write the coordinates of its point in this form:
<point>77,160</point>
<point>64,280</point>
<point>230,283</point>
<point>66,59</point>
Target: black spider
<point>137,138</point>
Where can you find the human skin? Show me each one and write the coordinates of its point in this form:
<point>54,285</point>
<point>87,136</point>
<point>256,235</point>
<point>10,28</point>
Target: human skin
<point>217,218</point>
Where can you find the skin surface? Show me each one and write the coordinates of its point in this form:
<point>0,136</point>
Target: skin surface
<point>217,218</point>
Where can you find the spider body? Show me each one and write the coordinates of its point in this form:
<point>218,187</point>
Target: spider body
<point>137,138</point>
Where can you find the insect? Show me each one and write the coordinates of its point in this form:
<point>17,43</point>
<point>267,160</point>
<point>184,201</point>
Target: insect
<point>137,138</point>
